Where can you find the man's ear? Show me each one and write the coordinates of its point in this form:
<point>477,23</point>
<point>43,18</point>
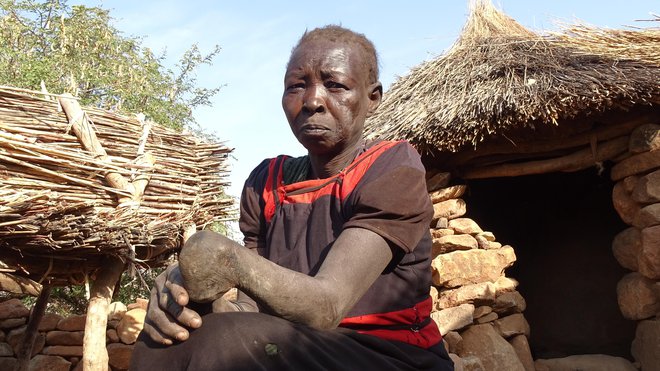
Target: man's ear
<point>375,97</point>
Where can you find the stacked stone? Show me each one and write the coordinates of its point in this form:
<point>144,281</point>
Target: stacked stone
<point>58,346</point>
<point>636,198</point>
<point>476,307</point>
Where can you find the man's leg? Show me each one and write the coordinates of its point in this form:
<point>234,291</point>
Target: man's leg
<point>256,341</point>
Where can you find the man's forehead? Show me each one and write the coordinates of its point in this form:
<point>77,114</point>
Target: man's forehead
<point>326,52</point>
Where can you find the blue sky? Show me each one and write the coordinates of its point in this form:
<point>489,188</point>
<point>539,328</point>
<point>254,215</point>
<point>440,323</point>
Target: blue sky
<point>256,38</point>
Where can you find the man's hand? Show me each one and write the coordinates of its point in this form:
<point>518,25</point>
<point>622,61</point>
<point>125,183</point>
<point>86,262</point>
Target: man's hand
<point>168,318</point>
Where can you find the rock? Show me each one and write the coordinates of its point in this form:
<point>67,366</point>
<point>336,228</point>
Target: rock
<point>453,318</point>
<point>645,138</point>
<point>49,321</point>
<point>472,363</point>
<point>111,336</point>
<point>489,236</point>
<point>452,338</point>
<point>465,226</point>
<point>646,346</point>
<point>509,302</point>
<point>64,350</point>
<point>649,256</point>
<point>51,363</point>
<point>493,245</point>
<point>441,232</point>
<point>627,246</point>
<point>450,209</point>
<point>458,362</point>
<point>505,284</point>
<point>624,204</point>
<point>72,323</point>
<point>521,346</point>
<point>636,164</point>
<point>13,308</point>
<point>647,216</point>
<point>437,181</point>
<point>647,189</point>
<point>113,323</point>
<point>3,336</point>
<point>479,292</point>
<point>512,325</point>
<point>139,303</point>
<point>116,310</point>
<point>6,350</point>
<point>442,223</point>
<point>460,268</point>
<point>447,193</point>
<point>10,323</point>
<point>8,363</point>
<point>490,317</point>
<point>636,297</point>
<point>65,337</point>
<point>453,242</point>
<point>586,362</point>
<point>15,338</point>
<point>494,352</point>
<point>119,355</point>
<point>482,311</point>
<point>630,182</point>
<point>130,325</point>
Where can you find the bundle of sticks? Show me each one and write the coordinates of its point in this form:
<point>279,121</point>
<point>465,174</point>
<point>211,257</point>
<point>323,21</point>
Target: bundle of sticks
<point>77,185</point>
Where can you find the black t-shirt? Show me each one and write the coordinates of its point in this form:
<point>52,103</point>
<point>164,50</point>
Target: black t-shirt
<point>294,222</point>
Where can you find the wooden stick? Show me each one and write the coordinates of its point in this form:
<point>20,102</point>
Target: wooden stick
<point>25,350</point>
<point>19,285</point>
<point>87,137</point>
<point>601,134</point>
<point>95,355</point>
<point>576,161</point>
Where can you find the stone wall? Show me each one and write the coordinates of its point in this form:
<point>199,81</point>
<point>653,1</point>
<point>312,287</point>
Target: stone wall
<point>58,346</point>
<point>480,312</point>
<point>636,197</point>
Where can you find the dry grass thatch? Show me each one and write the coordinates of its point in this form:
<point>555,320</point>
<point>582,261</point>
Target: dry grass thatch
<point>500,76</point>
<point>59,216</point>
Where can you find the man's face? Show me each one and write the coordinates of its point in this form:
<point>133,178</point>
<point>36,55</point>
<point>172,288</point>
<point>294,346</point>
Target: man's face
<point>327,96</point>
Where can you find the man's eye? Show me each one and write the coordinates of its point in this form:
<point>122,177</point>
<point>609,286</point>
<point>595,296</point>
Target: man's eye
<point>335,85</point>
<point>295,86</point>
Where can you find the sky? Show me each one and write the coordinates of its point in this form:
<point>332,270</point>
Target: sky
<point>256,38</point>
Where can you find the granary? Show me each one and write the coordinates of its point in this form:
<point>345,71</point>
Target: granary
<point>543,163</point>
<point>88,193</point>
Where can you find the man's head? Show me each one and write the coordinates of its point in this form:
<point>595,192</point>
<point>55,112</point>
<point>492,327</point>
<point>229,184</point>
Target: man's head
<point>331,87</point>
<point>345,36</point>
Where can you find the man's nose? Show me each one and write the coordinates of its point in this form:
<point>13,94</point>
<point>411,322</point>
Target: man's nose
<point>314,99</point>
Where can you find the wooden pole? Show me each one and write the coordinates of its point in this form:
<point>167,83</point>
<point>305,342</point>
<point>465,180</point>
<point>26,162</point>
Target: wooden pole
<point>25,350</point>
<point>95,354</point>
<point>576,161</point>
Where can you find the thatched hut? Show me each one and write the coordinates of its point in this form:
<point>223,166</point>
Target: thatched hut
<point>87,193</point>
<point>551,143</point>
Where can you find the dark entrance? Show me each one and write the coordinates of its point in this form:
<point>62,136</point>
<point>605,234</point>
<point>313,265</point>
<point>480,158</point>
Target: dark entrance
<point>561,226</point>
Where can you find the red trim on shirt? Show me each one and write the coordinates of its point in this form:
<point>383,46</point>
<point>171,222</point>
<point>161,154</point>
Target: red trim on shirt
<point>424,337</point>
<point>269,196</point>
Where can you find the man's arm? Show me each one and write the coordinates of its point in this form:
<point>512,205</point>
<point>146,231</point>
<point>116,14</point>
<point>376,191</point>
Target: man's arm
<point>211,264</point>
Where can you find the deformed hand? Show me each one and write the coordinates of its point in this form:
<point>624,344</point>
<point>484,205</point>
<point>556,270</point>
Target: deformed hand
<point>168,318</point>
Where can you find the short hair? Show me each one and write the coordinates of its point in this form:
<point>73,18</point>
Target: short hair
<point>335,33</point>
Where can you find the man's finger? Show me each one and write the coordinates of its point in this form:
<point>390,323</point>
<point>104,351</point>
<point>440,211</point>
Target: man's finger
<point>165,325</point>
<point>174,283</point>
<point>178,313</point>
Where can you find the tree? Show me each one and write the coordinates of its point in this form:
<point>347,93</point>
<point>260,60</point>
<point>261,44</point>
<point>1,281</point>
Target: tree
<point>77,50</point>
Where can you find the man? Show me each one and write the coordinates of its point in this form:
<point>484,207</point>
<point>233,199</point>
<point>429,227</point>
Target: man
<point>341,273</point>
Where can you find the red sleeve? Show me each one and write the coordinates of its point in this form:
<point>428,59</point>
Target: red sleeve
<point>391,199</point>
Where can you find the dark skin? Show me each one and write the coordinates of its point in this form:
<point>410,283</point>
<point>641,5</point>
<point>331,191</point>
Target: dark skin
<point>327,98</point>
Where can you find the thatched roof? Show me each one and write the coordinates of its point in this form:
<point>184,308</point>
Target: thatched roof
<point>59,216</point>
<point>500,76</point>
